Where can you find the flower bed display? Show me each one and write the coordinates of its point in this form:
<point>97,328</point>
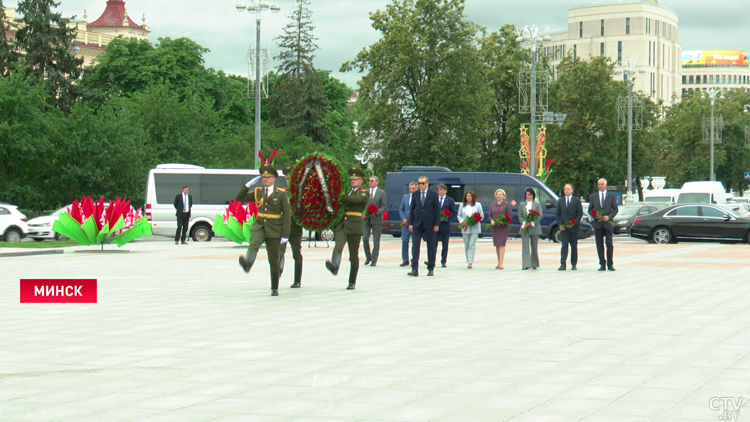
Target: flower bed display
<point>237,221</point>
<point>94,223</point>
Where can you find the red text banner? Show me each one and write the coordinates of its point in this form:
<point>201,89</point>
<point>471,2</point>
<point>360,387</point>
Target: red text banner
<point>58,290</point>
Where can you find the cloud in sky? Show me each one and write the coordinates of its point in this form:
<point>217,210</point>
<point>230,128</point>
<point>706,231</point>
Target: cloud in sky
<point>343,26</point>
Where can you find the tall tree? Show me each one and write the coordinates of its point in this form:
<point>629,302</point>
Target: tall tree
<point>7,54</point>
<point>46,40</point>
<point>299,100</point>
<point>425,98</point>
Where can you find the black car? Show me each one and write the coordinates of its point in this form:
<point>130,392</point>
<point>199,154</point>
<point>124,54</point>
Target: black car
<point>692,222</point>
<point>628,213</point>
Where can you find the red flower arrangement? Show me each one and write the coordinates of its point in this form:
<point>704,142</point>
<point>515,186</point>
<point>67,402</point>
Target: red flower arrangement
<point>371,210</point>
<point>501,220</point>
<point>600,217</point>
<point>570,224</point>
<point>445,215</point>
<point>471,220</point>
<point>530,217</point>
<point>314,215</point>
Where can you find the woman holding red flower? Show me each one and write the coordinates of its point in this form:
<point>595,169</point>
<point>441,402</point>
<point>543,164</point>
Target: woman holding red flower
<point>470,216</point>
<point>500,219</point>
<point>530,212</point>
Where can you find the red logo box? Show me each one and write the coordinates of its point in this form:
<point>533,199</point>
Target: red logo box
<point>58,291</point>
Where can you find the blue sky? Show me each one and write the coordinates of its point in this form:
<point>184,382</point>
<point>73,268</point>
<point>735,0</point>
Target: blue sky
<point>343,26</point>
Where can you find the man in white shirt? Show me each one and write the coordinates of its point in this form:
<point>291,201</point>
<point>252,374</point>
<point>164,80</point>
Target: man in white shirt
<point>374,223</point>
<point>182,204</point>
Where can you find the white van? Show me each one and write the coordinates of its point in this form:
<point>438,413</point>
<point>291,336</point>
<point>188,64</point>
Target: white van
<point>212,190</point>
<point>668,196</point>
<point>702,193</point>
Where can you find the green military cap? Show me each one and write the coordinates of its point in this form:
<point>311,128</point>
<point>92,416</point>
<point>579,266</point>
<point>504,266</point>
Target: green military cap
<point>356,173</point>
<point>287,171</point>
<point>268,170</point>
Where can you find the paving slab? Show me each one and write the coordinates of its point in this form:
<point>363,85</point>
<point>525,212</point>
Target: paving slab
<point>180,333</point>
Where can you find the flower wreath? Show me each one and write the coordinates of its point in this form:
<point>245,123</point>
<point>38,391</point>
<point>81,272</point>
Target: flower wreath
<point>315,192</point>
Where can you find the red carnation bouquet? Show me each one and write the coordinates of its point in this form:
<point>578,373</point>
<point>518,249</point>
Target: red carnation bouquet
<point>501,220</point>
<point>600,217</point>
<point>445,215</point>
<point>530,217</point>
<point>569,224</point>
<point>371,210</point>
<point>471,220</point>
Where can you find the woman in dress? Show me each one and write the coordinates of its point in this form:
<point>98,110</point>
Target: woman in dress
<point>529,240</point>
<point>499,231</point>
<point>470,233</point>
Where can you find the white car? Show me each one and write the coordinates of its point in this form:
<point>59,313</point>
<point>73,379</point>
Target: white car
<point>40,228</point>
<point>13,225</point>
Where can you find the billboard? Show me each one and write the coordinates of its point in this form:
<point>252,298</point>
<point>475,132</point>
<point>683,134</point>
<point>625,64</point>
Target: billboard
<point>715,58</point>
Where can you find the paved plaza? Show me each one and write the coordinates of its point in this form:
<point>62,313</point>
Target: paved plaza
<point>180,333</point>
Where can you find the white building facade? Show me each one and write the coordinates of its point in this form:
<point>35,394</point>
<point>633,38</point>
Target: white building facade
<point>723,69</point>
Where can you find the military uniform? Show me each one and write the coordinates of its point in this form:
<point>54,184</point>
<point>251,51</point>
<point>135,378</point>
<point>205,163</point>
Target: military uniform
<point>295,241</point>
<point>271,224</point>
<point>351,229</point>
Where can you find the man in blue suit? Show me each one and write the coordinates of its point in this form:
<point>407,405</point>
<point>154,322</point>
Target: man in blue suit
<point>403,213</point>
<point>569,209</point>
<point>424,219</point>
<point>446,203</point>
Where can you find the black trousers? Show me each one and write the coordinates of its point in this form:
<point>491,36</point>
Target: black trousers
<point>182,226</point>
<point>443,235</point>
<point>569,237</point>
<point>600,235</point>
<point>429,237</point>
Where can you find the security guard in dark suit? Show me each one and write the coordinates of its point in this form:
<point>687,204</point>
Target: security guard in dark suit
<point>351,228</point>
<point>295,240</point>
<point>272,224</point>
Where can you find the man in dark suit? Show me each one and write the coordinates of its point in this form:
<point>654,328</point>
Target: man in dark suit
<point>424,219</point>
<point>568,209</point>
<point>605,205</point>
<point>183,203</point>
<point>444,233</point>
<point>403,212</point>
<point>374,223</point>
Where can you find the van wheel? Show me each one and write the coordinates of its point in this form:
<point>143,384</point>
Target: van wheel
<point>201,233</point>
<point>554,235</point>
<point>58,236</point>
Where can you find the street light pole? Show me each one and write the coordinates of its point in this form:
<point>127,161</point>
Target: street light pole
<point>257,7</point>
<point>712,94</point>
<point>629,72</point>
<point>532,37</point>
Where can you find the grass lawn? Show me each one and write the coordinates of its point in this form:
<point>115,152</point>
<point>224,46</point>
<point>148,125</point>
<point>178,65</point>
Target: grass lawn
<point>38,245</point>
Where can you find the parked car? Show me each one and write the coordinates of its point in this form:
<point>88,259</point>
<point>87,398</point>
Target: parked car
<point>690,222</point>
<point>627,214</point>
<point>40,228</point>
<point>13,225</point>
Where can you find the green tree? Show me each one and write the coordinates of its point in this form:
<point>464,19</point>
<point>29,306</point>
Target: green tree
<point>8,55</point>
<point>423,94</point>
<point>46,39</point>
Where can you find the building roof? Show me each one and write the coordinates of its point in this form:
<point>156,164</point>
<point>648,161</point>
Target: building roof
<point>114,16</point>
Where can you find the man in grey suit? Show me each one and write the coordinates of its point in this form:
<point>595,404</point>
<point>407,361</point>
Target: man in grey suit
<point>568,209</point>
<point>374,223</point>
<point>605,205</point>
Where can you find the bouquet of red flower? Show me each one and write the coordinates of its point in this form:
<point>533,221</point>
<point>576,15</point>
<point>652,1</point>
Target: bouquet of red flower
<point>600,217</point>
<point>530,217</point>
<point>471,220</point>
<point>501,220</point>
<point>445,215</point>
<point>569,224</point>
<point>371,210</point>
<point>237,221</point>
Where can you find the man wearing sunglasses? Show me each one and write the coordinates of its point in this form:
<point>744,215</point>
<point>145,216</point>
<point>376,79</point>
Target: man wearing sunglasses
<point>424,219</point>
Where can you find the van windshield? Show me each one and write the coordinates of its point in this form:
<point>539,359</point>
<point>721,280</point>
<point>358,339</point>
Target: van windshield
<point>694,198</point>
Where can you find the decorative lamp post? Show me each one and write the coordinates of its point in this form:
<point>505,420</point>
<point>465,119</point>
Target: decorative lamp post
<point>533,37</point>
<point>628,69</point>
<point>712,94</point>
<point>257,7</point>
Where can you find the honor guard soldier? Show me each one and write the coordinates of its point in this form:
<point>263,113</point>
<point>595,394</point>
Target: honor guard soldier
<point>295,240</point>
<point>271,226</point>
<point>351,228</point>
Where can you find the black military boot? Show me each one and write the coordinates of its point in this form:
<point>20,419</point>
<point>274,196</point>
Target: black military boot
<point>274,284</point>
<point>247,261</point>
<point>297,275</point>
<point>352,278</point>
<point>334,264</point>
<point>281,265</point>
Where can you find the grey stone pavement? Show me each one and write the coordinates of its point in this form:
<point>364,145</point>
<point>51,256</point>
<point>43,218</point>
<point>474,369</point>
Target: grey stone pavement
<point>180,333</point>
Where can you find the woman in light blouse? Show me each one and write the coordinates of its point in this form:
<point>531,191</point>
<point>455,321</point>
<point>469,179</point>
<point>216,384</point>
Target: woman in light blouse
<point>470,233</point>
<point>499,232</point>
<point>529,240</point>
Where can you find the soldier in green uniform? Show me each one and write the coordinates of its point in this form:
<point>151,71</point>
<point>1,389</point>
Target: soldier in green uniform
<point>271,226</point>
<point>351,228</point>
<point>295,240</point>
